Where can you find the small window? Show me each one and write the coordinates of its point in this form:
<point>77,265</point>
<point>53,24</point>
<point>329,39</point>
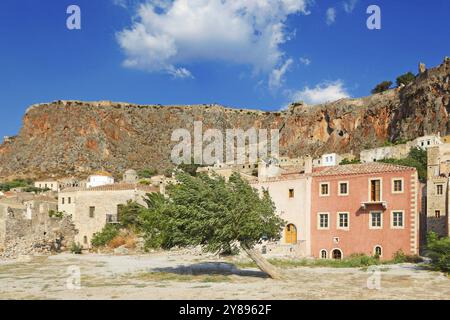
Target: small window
<point>324,189</point>
<point>323,254</point>
<point>91,212</point>
<point>343,221</point>
<point>291,193</point>
<point>69,200</point>
<point>85,240</point>
<point>437,214</point>
<point>343,188</point>
<point>323,221</point>
<point>440,189</point>
<point>378,251</point>
<point>398,186</point>
<point>397,219</point>
<point>62,200</point>
<point>376,220</point>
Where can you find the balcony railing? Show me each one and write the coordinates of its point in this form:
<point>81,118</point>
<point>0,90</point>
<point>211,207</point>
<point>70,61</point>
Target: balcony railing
<point>112,218</point>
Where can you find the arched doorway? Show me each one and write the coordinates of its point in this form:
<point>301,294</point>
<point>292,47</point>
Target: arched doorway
<point>337,254</point>
<point>291,234</point>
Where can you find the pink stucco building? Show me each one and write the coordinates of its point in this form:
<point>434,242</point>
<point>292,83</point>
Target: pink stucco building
<point>370,208</point>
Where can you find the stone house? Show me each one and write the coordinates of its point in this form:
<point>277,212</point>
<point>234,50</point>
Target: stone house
<point>438,191</point>
<point>92,208</point>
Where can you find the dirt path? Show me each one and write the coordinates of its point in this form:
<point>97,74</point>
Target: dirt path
<point>181,276</point>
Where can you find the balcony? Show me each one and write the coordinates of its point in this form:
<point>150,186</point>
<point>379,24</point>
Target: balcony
<point>112,219</point>
<point>366,204</point>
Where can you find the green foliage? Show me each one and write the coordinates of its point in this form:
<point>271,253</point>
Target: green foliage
<point>18,183</point>
<point>381,87</point>
<point>129,215</point>
<point>210,212</point>
<point>417,158</point>
<point>347,161</point>
<point>35,190</point>
<point>401,257</point>
<point>76,248</point>
<point>109,232</point>
<point>190,169</point>
<point>56,214</point>
<point>353,261</point>
<point>147,173</point>
<point>438,250</point>
<point>405,79</point>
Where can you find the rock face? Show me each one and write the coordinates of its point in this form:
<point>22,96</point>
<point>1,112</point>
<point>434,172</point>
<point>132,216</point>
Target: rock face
<point>71,137</point>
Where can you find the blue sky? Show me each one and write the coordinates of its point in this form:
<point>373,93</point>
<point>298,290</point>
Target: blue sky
<point>207,51</point>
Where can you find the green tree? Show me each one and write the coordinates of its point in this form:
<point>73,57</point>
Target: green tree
<point>417,158</point>
<point>438,250</point>
<point>207,211</point>
<point>405,79</point>
<point>347,161</point>
<point>381,87</point>
<point>147,173</point>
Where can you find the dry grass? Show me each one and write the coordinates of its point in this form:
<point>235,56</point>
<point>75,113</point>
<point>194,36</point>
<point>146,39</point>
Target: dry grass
<point>117,242</point>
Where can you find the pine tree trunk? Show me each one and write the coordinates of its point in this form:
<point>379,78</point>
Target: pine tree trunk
<point>263,264</point>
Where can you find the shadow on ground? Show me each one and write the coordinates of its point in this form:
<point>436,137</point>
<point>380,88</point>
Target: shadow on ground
<point>211,268</point>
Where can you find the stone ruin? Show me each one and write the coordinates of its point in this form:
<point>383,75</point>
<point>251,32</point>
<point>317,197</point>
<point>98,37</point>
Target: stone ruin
<point>28,229</point>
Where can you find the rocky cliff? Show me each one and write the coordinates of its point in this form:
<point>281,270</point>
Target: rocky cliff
<point>72,137</point>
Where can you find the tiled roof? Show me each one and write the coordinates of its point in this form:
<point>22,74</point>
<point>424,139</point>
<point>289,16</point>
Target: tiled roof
<point>117,187</point>
<point>359,169</point>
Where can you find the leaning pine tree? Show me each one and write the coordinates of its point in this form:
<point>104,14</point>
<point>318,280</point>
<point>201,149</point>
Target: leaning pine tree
<point>217,215</point>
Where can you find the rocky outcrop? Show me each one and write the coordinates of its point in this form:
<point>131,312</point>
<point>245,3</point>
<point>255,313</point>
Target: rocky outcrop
<point>73,137</point>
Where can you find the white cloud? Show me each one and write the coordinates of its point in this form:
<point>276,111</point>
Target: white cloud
<point>331,16</point>
<point>120,3</point>
<point>321,93</point>
<point>349,5</point>
<point>168,35</point>
<point>277,76</point>
<point>305,61</point>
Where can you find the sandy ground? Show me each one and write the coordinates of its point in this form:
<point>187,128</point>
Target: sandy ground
<point>172,275</point>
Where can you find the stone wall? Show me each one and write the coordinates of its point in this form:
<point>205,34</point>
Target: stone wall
<point>27,229</point>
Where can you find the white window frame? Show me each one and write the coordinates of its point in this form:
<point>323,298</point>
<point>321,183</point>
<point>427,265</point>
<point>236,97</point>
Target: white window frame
<point>326,252</point>
<point>392,219</point>
<point>320,189</point>
<point>338,221</point>
<point>370,220</point>
<point>393,185</point>
<point>375,252</point>
<point>339,188</point>
<point>318,221</point>
<point>370,185</point>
